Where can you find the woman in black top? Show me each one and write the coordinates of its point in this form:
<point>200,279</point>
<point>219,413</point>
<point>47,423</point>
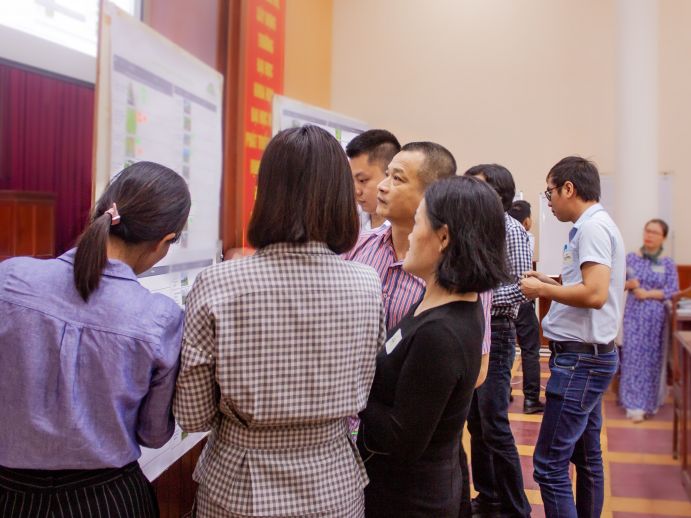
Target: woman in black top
<point>410,431</point>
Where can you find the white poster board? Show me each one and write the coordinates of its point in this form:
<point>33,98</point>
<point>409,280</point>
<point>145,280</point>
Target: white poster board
<point>289,113</point>
<point>159,103</point>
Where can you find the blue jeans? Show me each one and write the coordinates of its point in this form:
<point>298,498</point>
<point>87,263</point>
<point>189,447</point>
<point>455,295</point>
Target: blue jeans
<point>570,432</point>
<point>495,462</point>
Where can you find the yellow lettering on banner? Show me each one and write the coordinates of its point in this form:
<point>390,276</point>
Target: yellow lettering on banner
<point>266,19</point>
<point>259,90</point>
<point>254,167</point>
<point>275,3</point>
<point>262,92</point>
<point>265,42</point>
<point>270,21</point>
<point>265,68</point>
<point>262,141</point>
<point>251,140</point>
<point>261,117</point>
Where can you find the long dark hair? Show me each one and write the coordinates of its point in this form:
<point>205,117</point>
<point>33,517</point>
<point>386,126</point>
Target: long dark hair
<point>305,192</point>
<point>152,200</point>
<point>475,258</point>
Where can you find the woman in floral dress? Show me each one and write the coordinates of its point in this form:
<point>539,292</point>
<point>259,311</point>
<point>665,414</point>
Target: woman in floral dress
<point>650,280</point>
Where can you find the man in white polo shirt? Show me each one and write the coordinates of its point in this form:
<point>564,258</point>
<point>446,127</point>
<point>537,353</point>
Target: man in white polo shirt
<point>581,326</point>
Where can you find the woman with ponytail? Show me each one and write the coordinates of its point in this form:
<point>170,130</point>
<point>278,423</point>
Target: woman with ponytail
<point>89,357</point>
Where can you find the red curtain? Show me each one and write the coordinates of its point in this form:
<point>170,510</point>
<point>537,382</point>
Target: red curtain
<point>46,143</point>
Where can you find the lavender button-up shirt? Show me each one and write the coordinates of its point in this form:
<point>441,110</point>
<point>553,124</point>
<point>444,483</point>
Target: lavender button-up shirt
<point>82,385</point>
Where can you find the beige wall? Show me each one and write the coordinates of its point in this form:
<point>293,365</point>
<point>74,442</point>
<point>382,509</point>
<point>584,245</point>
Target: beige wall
<point>675,116</point>
<point>518,83</point>
<point>486,78</point>
<point>308,51</point>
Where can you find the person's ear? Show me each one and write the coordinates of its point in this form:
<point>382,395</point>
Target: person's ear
<point>443,235</point>
<point>528,223</point>
<point>164,242</point>
<point>568,190</point>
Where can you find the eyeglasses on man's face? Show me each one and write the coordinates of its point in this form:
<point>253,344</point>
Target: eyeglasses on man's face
<point>548,193</point>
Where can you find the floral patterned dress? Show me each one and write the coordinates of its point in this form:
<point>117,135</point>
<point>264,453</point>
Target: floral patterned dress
<point>643,346</point>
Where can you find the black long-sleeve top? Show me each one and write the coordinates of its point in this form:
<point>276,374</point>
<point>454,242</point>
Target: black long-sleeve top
<point>423,385</point>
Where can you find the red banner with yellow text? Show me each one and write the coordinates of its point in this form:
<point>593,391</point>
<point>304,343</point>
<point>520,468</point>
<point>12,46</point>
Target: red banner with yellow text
<point>263,77</point>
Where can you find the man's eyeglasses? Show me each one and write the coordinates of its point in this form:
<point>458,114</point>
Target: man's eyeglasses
<point>548,193</point>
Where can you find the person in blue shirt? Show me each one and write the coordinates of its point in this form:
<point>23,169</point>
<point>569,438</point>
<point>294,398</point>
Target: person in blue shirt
<point>581,326</point>
<point>89,358</point>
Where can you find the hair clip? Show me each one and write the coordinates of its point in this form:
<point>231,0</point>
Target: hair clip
<point>114,215</point>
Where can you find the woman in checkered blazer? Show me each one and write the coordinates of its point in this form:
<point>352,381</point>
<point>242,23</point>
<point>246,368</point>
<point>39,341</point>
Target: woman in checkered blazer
<point>279,347</point>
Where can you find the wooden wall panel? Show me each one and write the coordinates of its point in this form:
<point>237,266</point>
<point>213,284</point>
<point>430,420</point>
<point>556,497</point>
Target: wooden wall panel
<point>27,224</point>
<point>6,233</point>
<point>684,275</point>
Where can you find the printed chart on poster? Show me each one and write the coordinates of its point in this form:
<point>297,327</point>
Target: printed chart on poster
<point>289,113</point>
<point>158,103</point>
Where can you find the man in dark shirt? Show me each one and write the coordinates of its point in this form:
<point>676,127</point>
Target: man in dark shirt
<point>528,328</point>
<point>497,474</point>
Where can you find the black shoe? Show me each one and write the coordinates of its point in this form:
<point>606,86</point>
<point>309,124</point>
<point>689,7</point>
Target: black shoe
<point>485,509</point>
<point>533,406</point>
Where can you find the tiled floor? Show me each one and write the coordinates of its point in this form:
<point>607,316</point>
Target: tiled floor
<point>642,480</point>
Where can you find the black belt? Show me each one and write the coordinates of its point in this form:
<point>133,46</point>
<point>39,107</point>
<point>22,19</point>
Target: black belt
<point>580,347</point>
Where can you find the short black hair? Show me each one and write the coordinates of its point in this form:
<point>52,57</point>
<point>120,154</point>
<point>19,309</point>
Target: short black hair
<point>520,210</point>
<point>500,178</point>
<point>439,162</point>
<point>581,172</point>
<point>305,192</point>
<point>475,258</point>
<point>379,145</point>
<point>663,225</point>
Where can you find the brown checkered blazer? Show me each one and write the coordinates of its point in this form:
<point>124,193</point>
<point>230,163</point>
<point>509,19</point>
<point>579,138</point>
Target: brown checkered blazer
<point>278,351</point>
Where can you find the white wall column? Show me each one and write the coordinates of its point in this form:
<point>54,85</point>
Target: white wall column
<point>637,118</point>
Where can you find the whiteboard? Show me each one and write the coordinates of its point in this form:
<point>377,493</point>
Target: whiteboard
<point>290,113</point>
<point>553,236</point>
<point>159,103</point>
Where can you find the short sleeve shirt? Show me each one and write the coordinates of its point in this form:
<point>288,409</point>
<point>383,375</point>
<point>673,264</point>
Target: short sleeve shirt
<point>594,238</point>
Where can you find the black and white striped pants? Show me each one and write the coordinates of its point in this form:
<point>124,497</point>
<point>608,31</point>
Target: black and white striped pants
<point>103,493</point>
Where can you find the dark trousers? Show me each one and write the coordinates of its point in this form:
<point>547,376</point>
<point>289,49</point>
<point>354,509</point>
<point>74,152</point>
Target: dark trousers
<point>528,334</point>
<point>496,466</point>
<point>570,433</point>
<point>102,493</point>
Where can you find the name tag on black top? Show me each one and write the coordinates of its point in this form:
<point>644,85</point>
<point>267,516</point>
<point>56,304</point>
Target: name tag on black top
<point>392,342</point>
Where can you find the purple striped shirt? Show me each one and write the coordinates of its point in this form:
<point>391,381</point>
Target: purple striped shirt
<point>400,290</point>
